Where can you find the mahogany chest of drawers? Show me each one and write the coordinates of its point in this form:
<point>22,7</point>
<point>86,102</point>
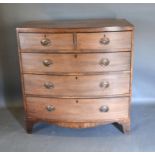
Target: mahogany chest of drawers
<point>76,73</point>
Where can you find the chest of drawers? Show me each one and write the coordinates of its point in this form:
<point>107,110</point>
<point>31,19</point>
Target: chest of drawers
<point>76,73</point>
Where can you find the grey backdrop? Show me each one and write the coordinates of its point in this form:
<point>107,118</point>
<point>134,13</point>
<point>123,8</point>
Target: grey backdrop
<point>141,15</point>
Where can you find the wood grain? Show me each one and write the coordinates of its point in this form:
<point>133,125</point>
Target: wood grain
<point>86,25</point>
<point>75,63</point>
<point>68,110</point>
<point>119,41</point>
<point>33,41</point>
<point>76,86</point>
<point>76,74</point>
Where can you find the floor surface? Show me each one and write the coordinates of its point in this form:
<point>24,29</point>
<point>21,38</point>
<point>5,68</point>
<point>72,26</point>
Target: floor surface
<point>53,138</point>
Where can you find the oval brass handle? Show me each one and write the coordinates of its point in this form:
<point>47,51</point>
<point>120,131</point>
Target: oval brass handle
<point>47,62</point>
<point>104,62</point>
<point>48,85</point>
<point>105,40</point>
<point>104,108</point>
<point>45,42</point>
<point>50,108</point>
<point>104,84</point>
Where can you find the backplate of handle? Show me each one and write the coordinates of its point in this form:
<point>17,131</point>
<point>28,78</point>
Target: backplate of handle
<point>48,85</point>
<point>104,62</point>
<point>104,84</point>
<point>50,108</point>
<point>105,40</point>
<point>45,42</point>
<point>47,62</point>
<point>104,108</point>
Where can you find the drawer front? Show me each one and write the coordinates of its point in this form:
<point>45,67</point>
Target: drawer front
<point>77,86</point>
<point>39,41</point>
<point>75,63</point>
<point>110,41</point>
<point>78,110</point>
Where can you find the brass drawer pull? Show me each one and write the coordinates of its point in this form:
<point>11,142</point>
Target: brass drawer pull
<point>50,108</point>
<point>104,108</point>
<point>105,40</point>
<point>104,84</point>
<point>45,42</point>
<point>48,85</point>
<point>47,62</point>
<point>104,62</point>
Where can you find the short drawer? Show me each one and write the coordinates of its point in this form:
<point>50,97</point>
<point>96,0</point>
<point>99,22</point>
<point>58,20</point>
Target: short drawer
<point>77,86</point>
<point>108,41</point>
<point>75,63</point>
<point>40,41</point>
<point>78,110</point>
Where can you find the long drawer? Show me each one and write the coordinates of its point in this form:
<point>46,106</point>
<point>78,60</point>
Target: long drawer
<point>78,110</point>
<point>77,86</point>
<point>110,41</point>
<point>75,63</point>
<point>41,41</point>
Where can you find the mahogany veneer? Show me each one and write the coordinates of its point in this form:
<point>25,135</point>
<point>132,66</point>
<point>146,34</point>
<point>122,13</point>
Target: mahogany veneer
<point>76,73</point>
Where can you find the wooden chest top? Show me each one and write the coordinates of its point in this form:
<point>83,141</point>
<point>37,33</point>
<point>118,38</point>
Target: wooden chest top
<point>78,25</point>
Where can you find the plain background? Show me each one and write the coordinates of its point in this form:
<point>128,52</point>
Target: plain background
<point>141,15</point>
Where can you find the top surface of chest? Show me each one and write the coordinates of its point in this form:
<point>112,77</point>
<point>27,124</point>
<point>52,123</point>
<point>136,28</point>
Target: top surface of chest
<point>78,25</point>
